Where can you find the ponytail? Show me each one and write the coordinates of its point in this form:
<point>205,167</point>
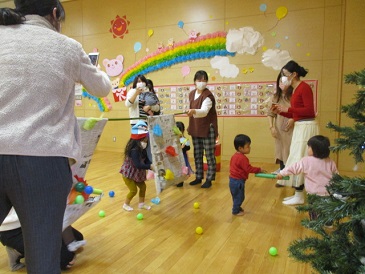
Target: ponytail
<point>10,17</point>
<point>293,66</point>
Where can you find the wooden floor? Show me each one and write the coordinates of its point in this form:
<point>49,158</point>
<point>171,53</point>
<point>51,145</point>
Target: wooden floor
<point>165,240</point>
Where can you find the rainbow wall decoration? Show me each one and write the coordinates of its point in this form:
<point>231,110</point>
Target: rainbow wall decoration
<point>103,103</point>
<point>206,46</point>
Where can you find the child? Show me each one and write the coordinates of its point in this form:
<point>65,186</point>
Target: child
<point>150,98</point>
<point>11,237</point>
<point>239,170</point>
<point>135,165</point>
<point>185,145</point>
<point>317,168</point>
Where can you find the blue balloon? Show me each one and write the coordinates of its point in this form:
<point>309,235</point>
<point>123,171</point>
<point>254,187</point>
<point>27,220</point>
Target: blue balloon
<point>137,46</point>
<point>263,7</point>
<point>180,24</point>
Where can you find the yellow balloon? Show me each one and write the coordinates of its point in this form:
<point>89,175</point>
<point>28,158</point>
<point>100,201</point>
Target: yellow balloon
<point>281,12</point>
<point>150,32</point>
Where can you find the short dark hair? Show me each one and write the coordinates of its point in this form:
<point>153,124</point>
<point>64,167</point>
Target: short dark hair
<point>201,74</point>
<point>241,140</point>
<point>320,146</point>
<point>180,126</point>
<point>150,86</point>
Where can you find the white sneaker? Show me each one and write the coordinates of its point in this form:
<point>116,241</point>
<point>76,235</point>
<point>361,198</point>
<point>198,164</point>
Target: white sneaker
<point>298,199</point>
<point>127,207</point>
<point>75,245</point>
<point>14,259</point>
<point>276,171</point>
<point>144,206</point>
<point>288,198</point>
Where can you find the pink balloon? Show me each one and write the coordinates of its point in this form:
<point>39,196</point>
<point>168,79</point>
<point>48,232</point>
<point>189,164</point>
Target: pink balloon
<point>185,70</point>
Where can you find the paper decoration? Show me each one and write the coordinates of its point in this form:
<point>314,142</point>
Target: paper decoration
<point>185,70</point>
<point>103,103</point>
<point>281,12</point>
<point>114,67</point>
<point>206,46</point>
<point>120,94</point>
<point>244,40</point>
<point>225,68</point>
<point>137,47</point>
<point>119,26</point>
<point>89,140</point>
<point>167,157</point>
<point>238,99</point>
<point>275,58</point>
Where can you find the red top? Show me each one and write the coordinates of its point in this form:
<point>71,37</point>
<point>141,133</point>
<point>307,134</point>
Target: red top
<point>301,102</point>
<point>240,167</point>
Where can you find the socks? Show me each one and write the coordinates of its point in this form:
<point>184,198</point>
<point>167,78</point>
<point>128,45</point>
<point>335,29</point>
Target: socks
<point>14,259</point>
<point>75,245</point>
<point>142,205</point>
<point>127,207</point>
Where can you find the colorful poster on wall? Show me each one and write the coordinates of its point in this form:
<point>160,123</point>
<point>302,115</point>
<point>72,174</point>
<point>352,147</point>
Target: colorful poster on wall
<point>232,99</point>
<point>167,156</point>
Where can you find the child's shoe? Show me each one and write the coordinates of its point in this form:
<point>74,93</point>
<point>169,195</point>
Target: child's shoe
<point>180,184</point>
<point>144,206</point>
<point>127,207</point>
<point>14,259</point>
<point>75,245</point>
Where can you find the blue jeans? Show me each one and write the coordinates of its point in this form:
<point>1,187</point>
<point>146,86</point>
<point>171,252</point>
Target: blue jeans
<point>237,188</point>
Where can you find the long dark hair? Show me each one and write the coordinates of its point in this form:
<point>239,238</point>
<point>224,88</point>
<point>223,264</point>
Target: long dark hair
<point>279,91</point>
<point>15,16</point>
<point>134,144</point>
<point>141,77</point>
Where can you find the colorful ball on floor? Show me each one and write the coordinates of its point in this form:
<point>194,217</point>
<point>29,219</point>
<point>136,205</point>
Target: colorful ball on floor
<point>196,205</point>
<point>111,194</point>
<point>140,216</point>
<point>199,230</point>
<point>273,251</point>
<point>102,213</point>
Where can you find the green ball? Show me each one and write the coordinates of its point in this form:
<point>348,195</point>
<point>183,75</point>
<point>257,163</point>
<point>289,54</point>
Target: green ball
<point>140,216</point>
<point>101,213</point>
<point>79,199</point>
<point>80,187</point>
<point>273,251</point>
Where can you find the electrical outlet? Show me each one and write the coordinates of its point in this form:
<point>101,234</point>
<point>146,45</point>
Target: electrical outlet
<point>114,139</point>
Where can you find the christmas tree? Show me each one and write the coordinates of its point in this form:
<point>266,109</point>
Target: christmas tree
<point>339,242</point>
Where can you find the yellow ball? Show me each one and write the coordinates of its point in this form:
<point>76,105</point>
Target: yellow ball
<point>196,205</point>
<point>199,230</point>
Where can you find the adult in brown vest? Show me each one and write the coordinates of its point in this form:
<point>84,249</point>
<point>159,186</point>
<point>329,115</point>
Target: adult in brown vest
<point>203,128</point>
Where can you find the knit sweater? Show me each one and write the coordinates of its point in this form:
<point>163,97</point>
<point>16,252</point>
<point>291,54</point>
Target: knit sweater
<point>39,68</point>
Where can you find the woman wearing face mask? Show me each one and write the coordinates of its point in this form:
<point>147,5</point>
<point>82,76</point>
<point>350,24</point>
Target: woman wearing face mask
<point>39,134</point>
<point>281,128</point>
<point>138,106</point>
<point>203,128</point>
<point>305,126</point>
<point>135,165</point>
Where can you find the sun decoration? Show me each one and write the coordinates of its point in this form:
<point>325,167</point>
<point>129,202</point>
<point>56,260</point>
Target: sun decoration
<point>119,26</point>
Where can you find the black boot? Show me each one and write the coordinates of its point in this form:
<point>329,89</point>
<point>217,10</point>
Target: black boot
<point>196,182</point>
<point>180,184</point>
<point>207,184</point>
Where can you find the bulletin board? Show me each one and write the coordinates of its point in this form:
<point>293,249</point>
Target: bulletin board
<point>232,99</point>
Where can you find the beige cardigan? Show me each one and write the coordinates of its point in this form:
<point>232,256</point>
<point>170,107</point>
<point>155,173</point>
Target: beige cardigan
<point>38,71</point>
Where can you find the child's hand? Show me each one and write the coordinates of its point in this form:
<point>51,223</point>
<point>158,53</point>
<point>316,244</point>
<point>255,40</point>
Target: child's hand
<point>279,176</point>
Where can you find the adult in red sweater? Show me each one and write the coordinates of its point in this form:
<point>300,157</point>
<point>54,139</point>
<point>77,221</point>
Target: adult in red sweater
<point>302,111</point>
<point>239,169</point>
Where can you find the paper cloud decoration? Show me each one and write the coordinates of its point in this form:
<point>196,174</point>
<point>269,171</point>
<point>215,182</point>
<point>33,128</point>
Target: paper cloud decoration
<point>225,68</point>
<point>244,40</point>
<point>275,58</point>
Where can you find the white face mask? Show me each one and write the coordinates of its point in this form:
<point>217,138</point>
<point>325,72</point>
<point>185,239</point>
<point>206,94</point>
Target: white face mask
<point>143,145</point>
<point>285,80</point>
<point>141,85</point>
<point>201,85</point>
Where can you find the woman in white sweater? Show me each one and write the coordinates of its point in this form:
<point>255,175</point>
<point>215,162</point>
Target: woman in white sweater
<point>38,130</point>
